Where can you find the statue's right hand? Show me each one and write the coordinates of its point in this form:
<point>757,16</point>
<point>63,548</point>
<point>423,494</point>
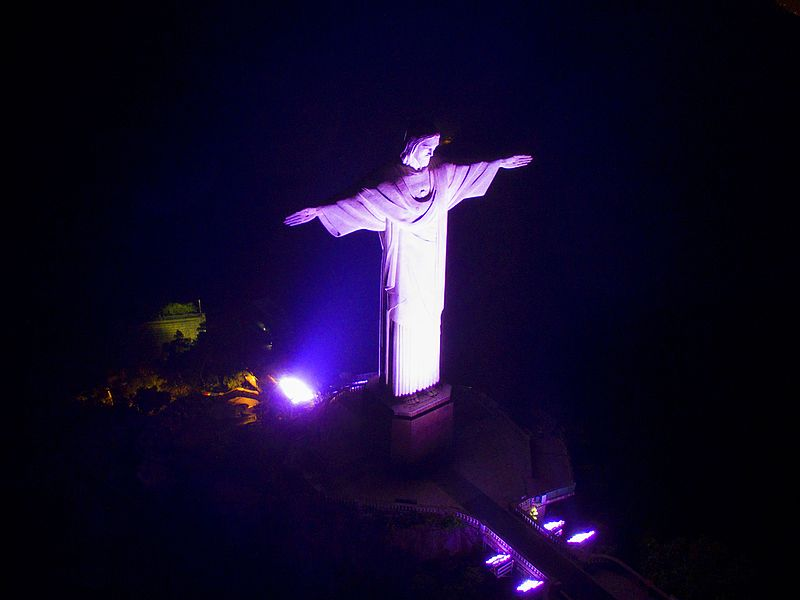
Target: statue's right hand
<point>301,216</point>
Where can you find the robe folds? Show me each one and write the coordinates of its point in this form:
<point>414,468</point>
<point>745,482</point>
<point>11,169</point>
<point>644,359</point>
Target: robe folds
<point>413,234</point>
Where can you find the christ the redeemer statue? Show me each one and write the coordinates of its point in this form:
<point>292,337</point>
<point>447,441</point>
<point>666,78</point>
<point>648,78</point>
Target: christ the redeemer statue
<point>408,206</point>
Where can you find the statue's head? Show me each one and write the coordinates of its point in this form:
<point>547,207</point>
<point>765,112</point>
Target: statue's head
<point>421,141</point>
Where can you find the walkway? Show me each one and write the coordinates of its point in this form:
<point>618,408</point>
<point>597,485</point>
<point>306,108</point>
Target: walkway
<point>537,549</point>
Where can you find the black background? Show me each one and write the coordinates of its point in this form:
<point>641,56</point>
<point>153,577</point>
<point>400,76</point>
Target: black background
<point>632,281</point>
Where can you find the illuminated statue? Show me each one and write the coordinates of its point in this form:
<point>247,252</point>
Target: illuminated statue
<point>408,205</point>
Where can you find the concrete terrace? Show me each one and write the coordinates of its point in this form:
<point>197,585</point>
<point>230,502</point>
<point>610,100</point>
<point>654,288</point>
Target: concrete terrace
<point>345,454</point>
<point>492,465</point>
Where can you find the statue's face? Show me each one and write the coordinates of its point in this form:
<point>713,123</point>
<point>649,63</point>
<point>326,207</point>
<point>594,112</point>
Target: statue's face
<point>424,151</point>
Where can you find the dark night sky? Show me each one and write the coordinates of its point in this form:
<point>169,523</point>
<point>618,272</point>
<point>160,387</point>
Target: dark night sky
<point>631,281</point>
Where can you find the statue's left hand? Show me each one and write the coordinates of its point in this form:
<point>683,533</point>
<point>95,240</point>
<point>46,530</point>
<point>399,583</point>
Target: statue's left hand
<point>515,162</point>
<point>301,216</point>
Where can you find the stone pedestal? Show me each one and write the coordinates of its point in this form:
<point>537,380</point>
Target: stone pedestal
<point>422,425</point>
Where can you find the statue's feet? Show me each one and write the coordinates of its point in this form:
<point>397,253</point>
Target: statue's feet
<point>433,390</point>
<point>421,395</point>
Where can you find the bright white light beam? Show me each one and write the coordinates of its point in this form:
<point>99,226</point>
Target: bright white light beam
<point>497,559</point>
<point>551,525</point>
<point>579,538</point>
<point>296,391</point>
<point>528,585</point>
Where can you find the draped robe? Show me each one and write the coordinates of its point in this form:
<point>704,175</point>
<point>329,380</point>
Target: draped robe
<point>413,234</point>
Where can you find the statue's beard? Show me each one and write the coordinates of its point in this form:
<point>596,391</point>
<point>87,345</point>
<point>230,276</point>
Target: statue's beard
<point>415,162</point>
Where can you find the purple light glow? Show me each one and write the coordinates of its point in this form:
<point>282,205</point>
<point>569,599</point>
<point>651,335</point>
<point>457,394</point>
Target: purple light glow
<point>497,559</point>
<point>551,525</point>
<point>528,585</point>
<point>295,390</point>
<point>579,538</point>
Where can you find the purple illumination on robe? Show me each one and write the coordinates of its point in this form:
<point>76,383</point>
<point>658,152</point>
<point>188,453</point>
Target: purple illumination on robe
<point>413,233</point>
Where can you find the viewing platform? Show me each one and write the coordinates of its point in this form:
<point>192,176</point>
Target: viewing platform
<point>489,474</point>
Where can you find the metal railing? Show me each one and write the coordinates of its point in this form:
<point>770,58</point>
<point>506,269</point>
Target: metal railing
<point>499,543</point>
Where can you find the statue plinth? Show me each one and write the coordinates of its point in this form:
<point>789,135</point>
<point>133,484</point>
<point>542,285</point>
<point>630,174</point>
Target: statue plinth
<point>421,424</point>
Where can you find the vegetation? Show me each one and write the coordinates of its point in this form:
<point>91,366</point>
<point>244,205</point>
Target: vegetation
<point>149,493</point>
<point>234,352</point>
<point>174,309</point>
<point>697,568</point>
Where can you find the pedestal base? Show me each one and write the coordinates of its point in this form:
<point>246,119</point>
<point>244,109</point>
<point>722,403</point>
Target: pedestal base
<point>422,425</point>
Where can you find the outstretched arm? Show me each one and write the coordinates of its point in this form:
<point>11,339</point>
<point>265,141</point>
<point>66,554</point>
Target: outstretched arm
<point>301,216</point>
<point>472,181</point>
<point>515,162</point>
<point>341,218</point>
